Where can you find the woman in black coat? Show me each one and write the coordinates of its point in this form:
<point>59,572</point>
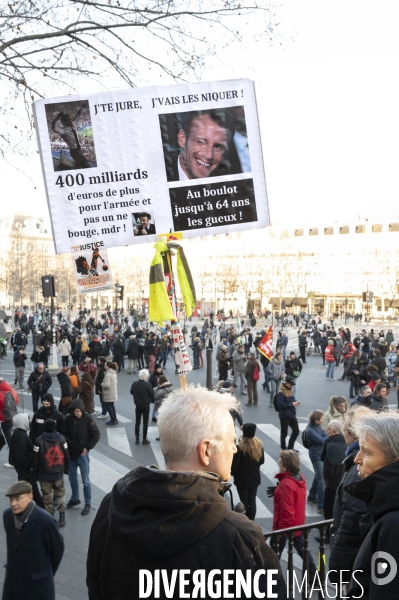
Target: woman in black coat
<point>246,468</point>
<point>66,390</point>
<point>97,386</point>
<point>21,454</point>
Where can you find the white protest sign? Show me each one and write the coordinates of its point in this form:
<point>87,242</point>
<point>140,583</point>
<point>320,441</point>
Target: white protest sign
<point>182,359</point>
<point>92,270</point>
<point>122,166</point>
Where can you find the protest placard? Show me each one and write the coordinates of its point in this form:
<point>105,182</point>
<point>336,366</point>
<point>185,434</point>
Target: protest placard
<point>122,166</point>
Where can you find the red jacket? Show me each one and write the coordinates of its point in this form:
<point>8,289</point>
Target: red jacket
<point>5,387</point>
<point>348,350</point>
<point>289,501</point>
<point>329,353</point>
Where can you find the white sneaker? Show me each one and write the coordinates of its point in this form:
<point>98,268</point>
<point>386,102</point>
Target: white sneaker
<point>8,466</point>
<point>102,416</point>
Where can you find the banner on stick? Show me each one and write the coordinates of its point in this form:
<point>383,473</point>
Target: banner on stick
<point>182,359</point>
<point>265,346</point>
<point>122,166</point>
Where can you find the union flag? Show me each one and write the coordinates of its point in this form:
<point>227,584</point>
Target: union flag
<point>265,346</point>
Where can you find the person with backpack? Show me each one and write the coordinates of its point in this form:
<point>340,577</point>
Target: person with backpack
<point>252,376</point>
<point>313,438</point>
<point>285,404</point>
<point>293,368</point>
<point>8,410</point>
<point>50,463</point>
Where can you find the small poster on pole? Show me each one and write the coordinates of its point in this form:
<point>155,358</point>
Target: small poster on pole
<point>91,268</point>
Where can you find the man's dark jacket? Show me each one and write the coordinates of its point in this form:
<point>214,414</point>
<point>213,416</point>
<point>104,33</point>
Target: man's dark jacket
<point>40,383</point>
<point>33,562</point>
<point>156,519</point>
<point>80,433</point>
<point>41,416</point>
<point>142,392</point>
<point>19,359</point>
<point>380,493</point>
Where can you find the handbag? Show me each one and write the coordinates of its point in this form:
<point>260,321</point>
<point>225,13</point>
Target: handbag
<point>66,400</point>
<point>296,373</point>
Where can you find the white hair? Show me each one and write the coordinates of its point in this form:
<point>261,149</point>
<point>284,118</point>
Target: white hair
<point>383,428</point>
<point>335,425</point>
<point>143,374</point>
<point>189,416</point>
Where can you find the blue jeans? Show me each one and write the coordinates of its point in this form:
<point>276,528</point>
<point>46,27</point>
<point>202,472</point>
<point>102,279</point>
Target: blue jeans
<point>196,359</point>
<point>275,386</point>
<point>267,378</point>
<point>317,488</point>
<point>284,351</point>
<point>163,357</point>
<point>83,462</point>
<point>330,370</point>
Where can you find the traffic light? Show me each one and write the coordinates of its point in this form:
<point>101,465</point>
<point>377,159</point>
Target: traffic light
<point>370,296</point>
<point>283,304</point>
<point>119,292</point>
<point>364,297</point>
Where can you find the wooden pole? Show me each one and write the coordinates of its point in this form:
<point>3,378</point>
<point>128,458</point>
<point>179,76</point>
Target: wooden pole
<point>183,381</point>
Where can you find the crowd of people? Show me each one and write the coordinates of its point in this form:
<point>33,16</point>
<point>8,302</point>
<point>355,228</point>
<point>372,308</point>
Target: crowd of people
<point>352,448</point>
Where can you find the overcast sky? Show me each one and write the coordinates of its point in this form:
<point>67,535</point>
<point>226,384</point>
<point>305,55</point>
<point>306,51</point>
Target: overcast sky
<point>328,98</point>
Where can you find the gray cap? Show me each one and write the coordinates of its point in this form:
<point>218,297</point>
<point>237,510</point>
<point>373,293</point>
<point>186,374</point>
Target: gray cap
<point>21,487</point>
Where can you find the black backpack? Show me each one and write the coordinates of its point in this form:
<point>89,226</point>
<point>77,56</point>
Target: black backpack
<point>276,408</point>
<point>305,442</point>
<point>10,406</point>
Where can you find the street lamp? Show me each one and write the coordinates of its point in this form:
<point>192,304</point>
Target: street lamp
<point>249,303</point>
<point>117,287</point>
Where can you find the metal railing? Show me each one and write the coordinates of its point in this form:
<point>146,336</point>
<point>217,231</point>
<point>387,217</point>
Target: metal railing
<point>289,533</point>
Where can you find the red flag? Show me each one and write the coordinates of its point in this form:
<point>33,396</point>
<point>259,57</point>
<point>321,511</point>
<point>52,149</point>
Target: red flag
<point>266,345</point>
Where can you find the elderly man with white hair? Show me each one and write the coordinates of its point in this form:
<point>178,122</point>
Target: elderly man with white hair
<point>143,394</point>
<point>376,563</point>
<point>170,533</point>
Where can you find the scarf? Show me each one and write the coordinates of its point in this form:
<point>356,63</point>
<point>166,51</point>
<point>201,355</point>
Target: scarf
<point>21,518</point>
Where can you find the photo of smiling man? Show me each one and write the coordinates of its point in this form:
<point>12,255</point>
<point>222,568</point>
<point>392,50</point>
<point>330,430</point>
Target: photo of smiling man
<point>200,144</point>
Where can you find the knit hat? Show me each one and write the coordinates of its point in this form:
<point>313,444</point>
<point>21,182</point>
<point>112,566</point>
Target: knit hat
<point>252,353</point>
<point>223,347</point>
<point>248,430</point>
<point>50,426</point>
